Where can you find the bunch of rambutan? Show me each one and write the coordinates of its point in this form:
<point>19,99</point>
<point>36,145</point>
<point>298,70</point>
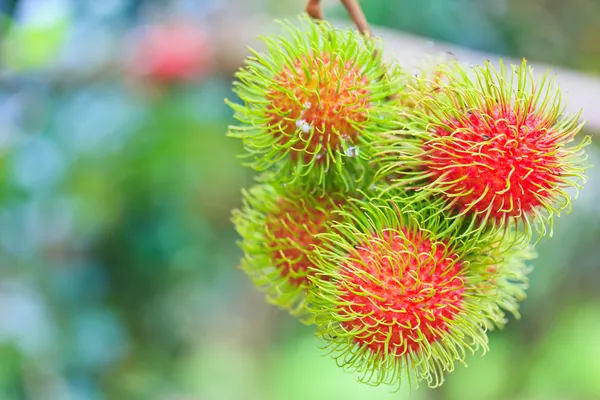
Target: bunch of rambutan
<point>394,212</point>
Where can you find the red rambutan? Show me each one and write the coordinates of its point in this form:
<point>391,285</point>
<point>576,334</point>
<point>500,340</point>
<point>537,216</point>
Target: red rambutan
<point>393,296</point>
<point>494,145</point>
<point>429,292</point>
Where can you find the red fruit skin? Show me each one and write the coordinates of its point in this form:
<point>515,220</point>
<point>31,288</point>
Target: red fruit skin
<point>175,52</point>
<point>509,162</point>
<point>292,235</point>
<point>417,288</point>
<point>322,94</point>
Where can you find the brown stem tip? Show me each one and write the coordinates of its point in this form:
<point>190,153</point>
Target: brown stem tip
<point>358,16</point>
<point>313,9</point>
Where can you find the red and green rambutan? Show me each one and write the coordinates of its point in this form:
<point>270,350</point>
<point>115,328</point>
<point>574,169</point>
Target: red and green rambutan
<point>279,228</point>
<point>394,299</point>
<point>313,103</point>
<point>495,143</point>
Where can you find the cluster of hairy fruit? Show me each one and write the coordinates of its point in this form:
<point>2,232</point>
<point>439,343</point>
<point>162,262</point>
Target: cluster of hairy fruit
<point>395,212</point>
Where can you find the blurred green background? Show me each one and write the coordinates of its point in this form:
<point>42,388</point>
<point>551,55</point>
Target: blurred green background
<point>118,263</point>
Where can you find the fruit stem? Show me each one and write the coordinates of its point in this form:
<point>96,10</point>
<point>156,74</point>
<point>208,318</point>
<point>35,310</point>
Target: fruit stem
<point>313,9</point>
<point>358,16</point>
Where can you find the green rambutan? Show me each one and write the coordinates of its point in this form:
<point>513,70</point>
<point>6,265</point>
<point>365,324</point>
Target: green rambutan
<point>494,143</point>
<point>313,103</point>
<point>504,266</point>
<point>393,296</point>
<point>279,229</point>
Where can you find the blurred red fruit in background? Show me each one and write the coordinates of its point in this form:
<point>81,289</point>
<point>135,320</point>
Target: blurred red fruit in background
<point>171,52</point>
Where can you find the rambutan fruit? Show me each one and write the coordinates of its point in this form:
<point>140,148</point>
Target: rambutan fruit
<point>279,229</point>
<point>313,103</point>
<point>393,298</point>
<point>494,143</point>
<point>503,269</point>
<point>429,73</point>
